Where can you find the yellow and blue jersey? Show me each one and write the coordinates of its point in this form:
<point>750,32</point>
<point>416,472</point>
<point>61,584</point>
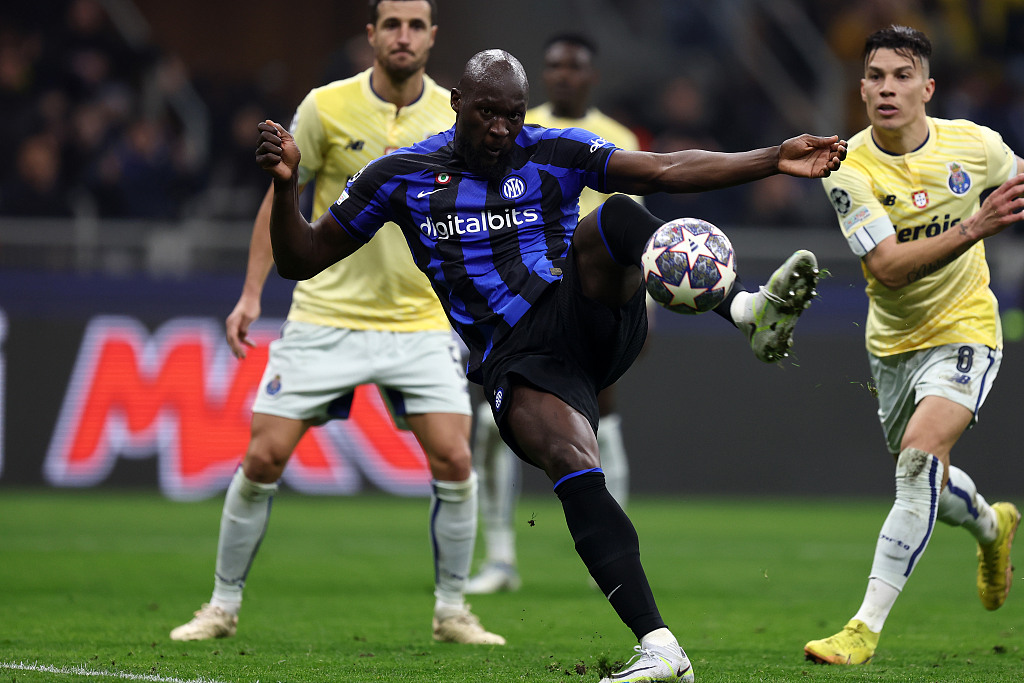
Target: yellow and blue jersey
<point>917,196</point>
<point>339,128</point>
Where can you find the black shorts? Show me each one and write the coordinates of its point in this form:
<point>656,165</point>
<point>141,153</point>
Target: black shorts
<point>566,345</point>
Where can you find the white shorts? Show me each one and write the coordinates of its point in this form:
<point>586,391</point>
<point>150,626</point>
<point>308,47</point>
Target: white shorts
<point>962,373</point>
<point>312,371</point>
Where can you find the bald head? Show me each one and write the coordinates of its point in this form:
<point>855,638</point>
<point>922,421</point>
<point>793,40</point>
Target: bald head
<point>494,68</point>
<point>490,104</point>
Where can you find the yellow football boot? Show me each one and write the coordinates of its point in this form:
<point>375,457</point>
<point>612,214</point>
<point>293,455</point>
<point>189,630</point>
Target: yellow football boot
<point>855,644</point>
<point>995,571</point>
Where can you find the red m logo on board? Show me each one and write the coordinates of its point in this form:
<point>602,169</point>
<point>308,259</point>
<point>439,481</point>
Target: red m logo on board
<point>179,395</point>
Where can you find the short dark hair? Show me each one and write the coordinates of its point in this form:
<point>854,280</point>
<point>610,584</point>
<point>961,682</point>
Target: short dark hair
<point>374,15</point>
<point>577,39</point>
<point>903,40</point>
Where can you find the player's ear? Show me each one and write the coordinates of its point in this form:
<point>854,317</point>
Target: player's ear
<point>456,99</point>
<point>929,89</point>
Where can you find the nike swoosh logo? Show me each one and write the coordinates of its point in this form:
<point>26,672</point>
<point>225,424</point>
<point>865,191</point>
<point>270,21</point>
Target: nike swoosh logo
<point>609,596</point>
<point>631,672</point>
<point>424,193</point>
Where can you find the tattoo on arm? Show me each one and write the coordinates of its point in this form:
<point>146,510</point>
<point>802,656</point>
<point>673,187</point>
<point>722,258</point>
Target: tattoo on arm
<point>927,269</point>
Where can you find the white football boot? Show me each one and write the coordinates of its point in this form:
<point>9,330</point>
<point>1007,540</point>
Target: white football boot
<point>209,622</point>
<point>654,664</point>
<point>772,312</point>
<point>464,627</point>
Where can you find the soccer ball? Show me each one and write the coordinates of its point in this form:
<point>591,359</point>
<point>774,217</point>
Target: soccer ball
<point>689,266</point>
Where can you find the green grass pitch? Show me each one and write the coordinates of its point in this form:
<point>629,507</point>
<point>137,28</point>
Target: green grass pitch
<point>91,583</point>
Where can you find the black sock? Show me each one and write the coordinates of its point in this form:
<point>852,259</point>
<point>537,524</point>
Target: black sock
<point>724,309</point>
<point>626,226</point>
<point>607,543</point>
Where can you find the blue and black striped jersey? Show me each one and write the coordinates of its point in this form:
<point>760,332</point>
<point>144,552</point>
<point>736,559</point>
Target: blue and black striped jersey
<point>489,247</point>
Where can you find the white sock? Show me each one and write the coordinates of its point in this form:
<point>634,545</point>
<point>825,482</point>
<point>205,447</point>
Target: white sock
<point>453,509</point>
<point>660,637</point>
<point>499,470</point>
<point>878,600</point>
<point>905,533</point>
<point>961,505</point>
<point>613,457</point>
<point>243,522</point>
<point>443,610</point>
<point>739,308</point>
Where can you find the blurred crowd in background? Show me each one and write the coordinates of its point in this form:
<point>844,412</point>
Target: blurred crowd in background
<point>88,132</point>
<point>104,123</point>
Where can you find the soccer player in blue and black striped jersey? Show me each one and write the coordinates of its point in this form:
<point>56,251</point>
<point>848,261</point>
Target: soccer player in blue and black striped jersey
<point>551,306</point>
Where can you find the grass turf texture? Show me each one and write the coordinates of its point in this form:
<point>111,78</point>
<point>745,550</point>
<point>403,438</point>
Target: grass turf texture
<point>341,591</point>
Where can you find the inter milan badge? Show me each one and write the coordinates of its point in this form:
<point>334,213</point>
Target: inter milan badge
<point>513,187</point>
<point>959,182</point>
<point>920,199</point>
<point>274,385</point>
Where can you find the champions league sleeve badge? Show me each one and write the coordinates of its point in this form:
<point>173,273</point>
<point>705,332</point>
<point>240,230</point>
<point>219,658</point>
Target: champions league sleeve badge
<point>840,199</point>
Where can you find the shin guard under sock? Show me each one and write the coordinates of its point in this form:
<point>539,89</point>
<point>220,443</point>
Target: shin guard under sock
<point>242,526</point>
<point>453,510</point>
<point>904,535</point>
<point>607,543</point>
<point>907,529</point>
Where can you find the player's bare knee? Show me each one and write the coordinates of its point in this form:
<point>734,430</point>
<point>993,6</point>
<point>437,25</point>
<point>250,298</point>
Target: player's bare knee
<point>450,463</point>
<point>261,466</point>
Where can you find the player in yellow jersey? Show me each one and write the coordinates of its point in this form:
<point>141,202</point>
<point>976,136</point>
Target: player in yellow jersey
<point>569,76</point>
<point>908,200</point>
<point>370,319</point>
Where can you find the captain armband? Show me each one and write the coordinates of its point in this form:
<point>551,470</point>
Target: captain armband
<point>868,236</point>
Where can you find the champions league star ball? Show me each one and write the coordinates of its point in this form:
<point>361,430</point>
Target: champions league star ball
<point>689,266</point>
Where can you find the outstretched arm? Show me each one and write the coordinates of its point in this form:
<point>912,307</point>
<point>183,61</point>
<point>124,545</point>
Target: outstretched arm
<point>301,250</point>
<point>695,170</point>
<point>897,264</point>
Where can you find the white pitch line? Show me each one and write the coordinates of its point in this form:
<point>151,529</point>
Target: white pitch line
<point>79,671</point>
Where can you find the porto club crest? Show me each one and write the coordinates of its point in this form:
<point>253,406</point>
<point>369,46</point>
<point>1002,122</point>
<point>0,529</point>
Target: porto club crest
<point>959,182</point>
